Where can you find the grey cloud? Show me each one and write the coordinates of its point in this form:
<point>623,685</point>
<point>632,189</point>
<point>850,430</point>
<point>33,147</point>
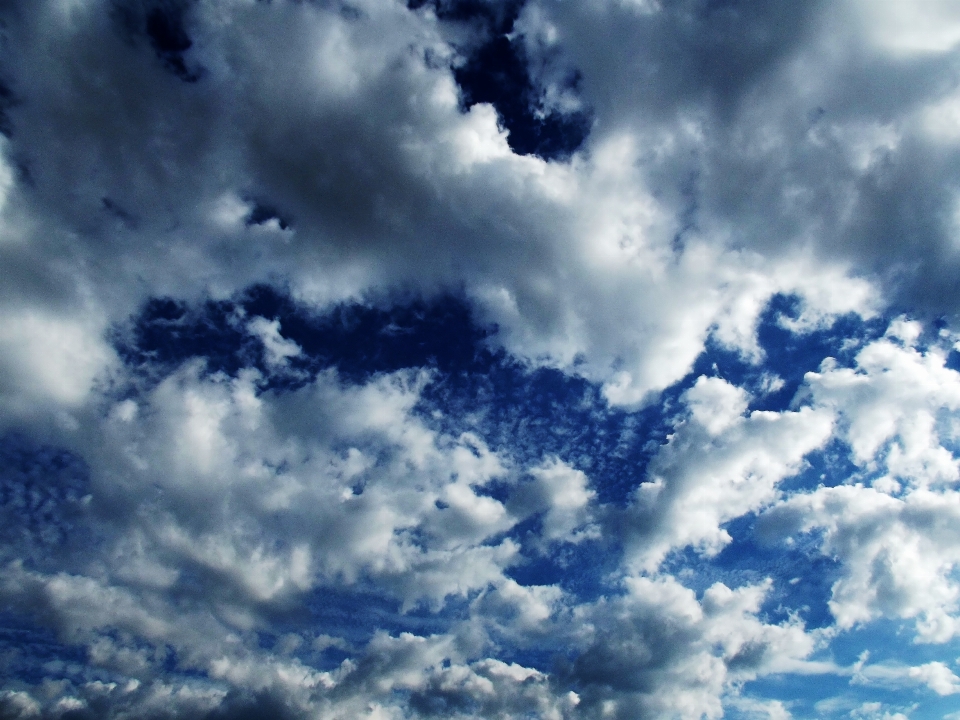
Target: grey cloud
<point>778,100</point>
<point>345,125</point>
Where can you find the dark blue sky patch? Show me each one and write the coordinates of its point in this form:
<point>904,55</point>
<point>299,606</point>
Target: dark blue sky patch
<point>497,73</point>
<point>32,653</point>
<point>829,466</point>
<point>166,333</point>
<point>496,18</point>
<point>263,213</point>
<point>953,360</point>
<point>356,613</point>
<point>791,355</point>
<point>167,31</point>
<point>164,24</point>
<point>8,101</point>
<point>362,340</point>
<point>747,562</point>
<point>581,570</point>
<point>787,355</point>
<point>43,506</point>
<point>536,414</point>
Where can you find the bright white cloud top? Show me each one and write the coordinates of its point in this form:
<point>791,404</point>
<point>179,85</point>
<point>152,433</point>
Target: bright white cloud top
<point>479,359</point>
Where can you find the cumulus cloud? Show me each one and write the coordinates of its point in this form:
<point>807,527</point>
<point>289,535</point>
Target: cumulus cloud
<point>698,482</point>
<point>892,530</point>
<point>682,233</point>
<point>657,651</point>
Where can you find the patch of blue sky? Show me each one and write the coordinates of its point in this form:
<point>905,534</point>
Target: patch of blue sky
<point>953,360</point>
<point>890,641</point>
<point>586,570</point>
<point>819,697</point>
<point>802,577</point>
<point>355,613</point>
<point>880,642</point>
<point>828,466</point>
<point>786,354</point>
<point>32,653</point>
<point>360,340</point>
<point>43,503</point>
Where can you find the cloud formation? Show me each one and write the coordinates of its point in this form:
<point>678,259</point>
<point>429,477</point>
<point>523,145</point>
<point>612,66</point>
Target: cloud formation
<point>478,359</point>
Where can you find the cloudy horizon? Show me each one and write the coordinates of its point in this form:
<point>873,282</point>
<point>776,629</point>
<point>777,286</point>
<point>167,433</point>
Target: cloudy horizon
<point>479,359</point>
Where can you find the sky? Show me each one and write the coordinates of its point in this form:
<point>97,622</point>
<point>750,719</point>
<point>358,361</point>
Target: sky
<point>500,359</point>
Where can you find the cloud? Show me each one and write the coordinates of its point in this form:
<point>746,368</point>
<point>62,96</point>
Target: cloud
<point>657,651</point>
<point>225,494</point>
<point>698,482</point>
<point>278,348</point>
<point>894,538</point>
<point>377,191</point>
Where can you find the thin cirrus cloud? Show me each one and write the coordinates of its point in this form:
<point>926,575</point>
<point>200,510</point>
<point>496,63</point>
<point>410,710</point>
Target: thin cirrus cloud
<point>478,359</point>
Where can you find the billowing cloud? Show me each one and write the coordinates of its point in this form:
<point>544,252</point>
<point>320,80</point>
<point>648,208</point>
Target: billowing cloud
<point>478,359</point>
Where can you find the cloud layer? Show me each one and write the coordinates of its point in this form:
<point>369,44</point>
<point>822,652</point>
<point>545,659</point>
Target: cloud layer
<point>478,359</point>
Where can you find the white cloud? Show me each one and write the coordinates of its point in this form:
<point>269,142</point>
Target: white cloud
<point>278,348</point>
<point>935,675</point>
<point>906,27</point>
<point>732,156</point>
<point>895,539</point>
<point>658,652</point>
<point>697,481</point>
<point>561,493</point>
<point>715,404</point>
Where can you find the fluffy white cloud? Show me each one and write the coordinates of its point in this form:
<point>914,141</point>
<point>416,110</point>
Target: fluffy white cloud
<point>350,129</point>
<point>700,480</point>
<point>562,494</point>
<point>735,152</point>
<point>276,492</point>
<point>657,651</point>
<point>896,539</point>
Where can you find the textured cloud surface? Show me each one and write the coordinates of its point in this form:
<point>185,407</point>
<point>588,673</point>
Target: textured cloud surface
<point>479,359</point>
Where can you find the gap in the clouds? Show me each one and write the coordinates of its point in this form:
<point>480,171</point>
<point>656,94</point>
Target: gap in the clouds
<point>44,493</point>
<point>580,570</point>
<point>787,355</point>
<point>800,694</point>
<point>359,340</point>
<point>828,466</point>
<point>263,213</point>
<point>354,613</point>
<point>163,23</point>
<point>790,355</point>
<point>8,100</point>
<point>497,71</point>
<point>32,653</point>
<point>953,360</point>
<point>887,642</point>
<point>802,576</point>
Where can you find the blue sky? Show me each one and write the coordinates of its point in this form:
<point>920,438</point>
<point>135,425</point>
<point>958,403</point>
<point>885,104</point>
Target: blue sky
<point>479,359</point>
